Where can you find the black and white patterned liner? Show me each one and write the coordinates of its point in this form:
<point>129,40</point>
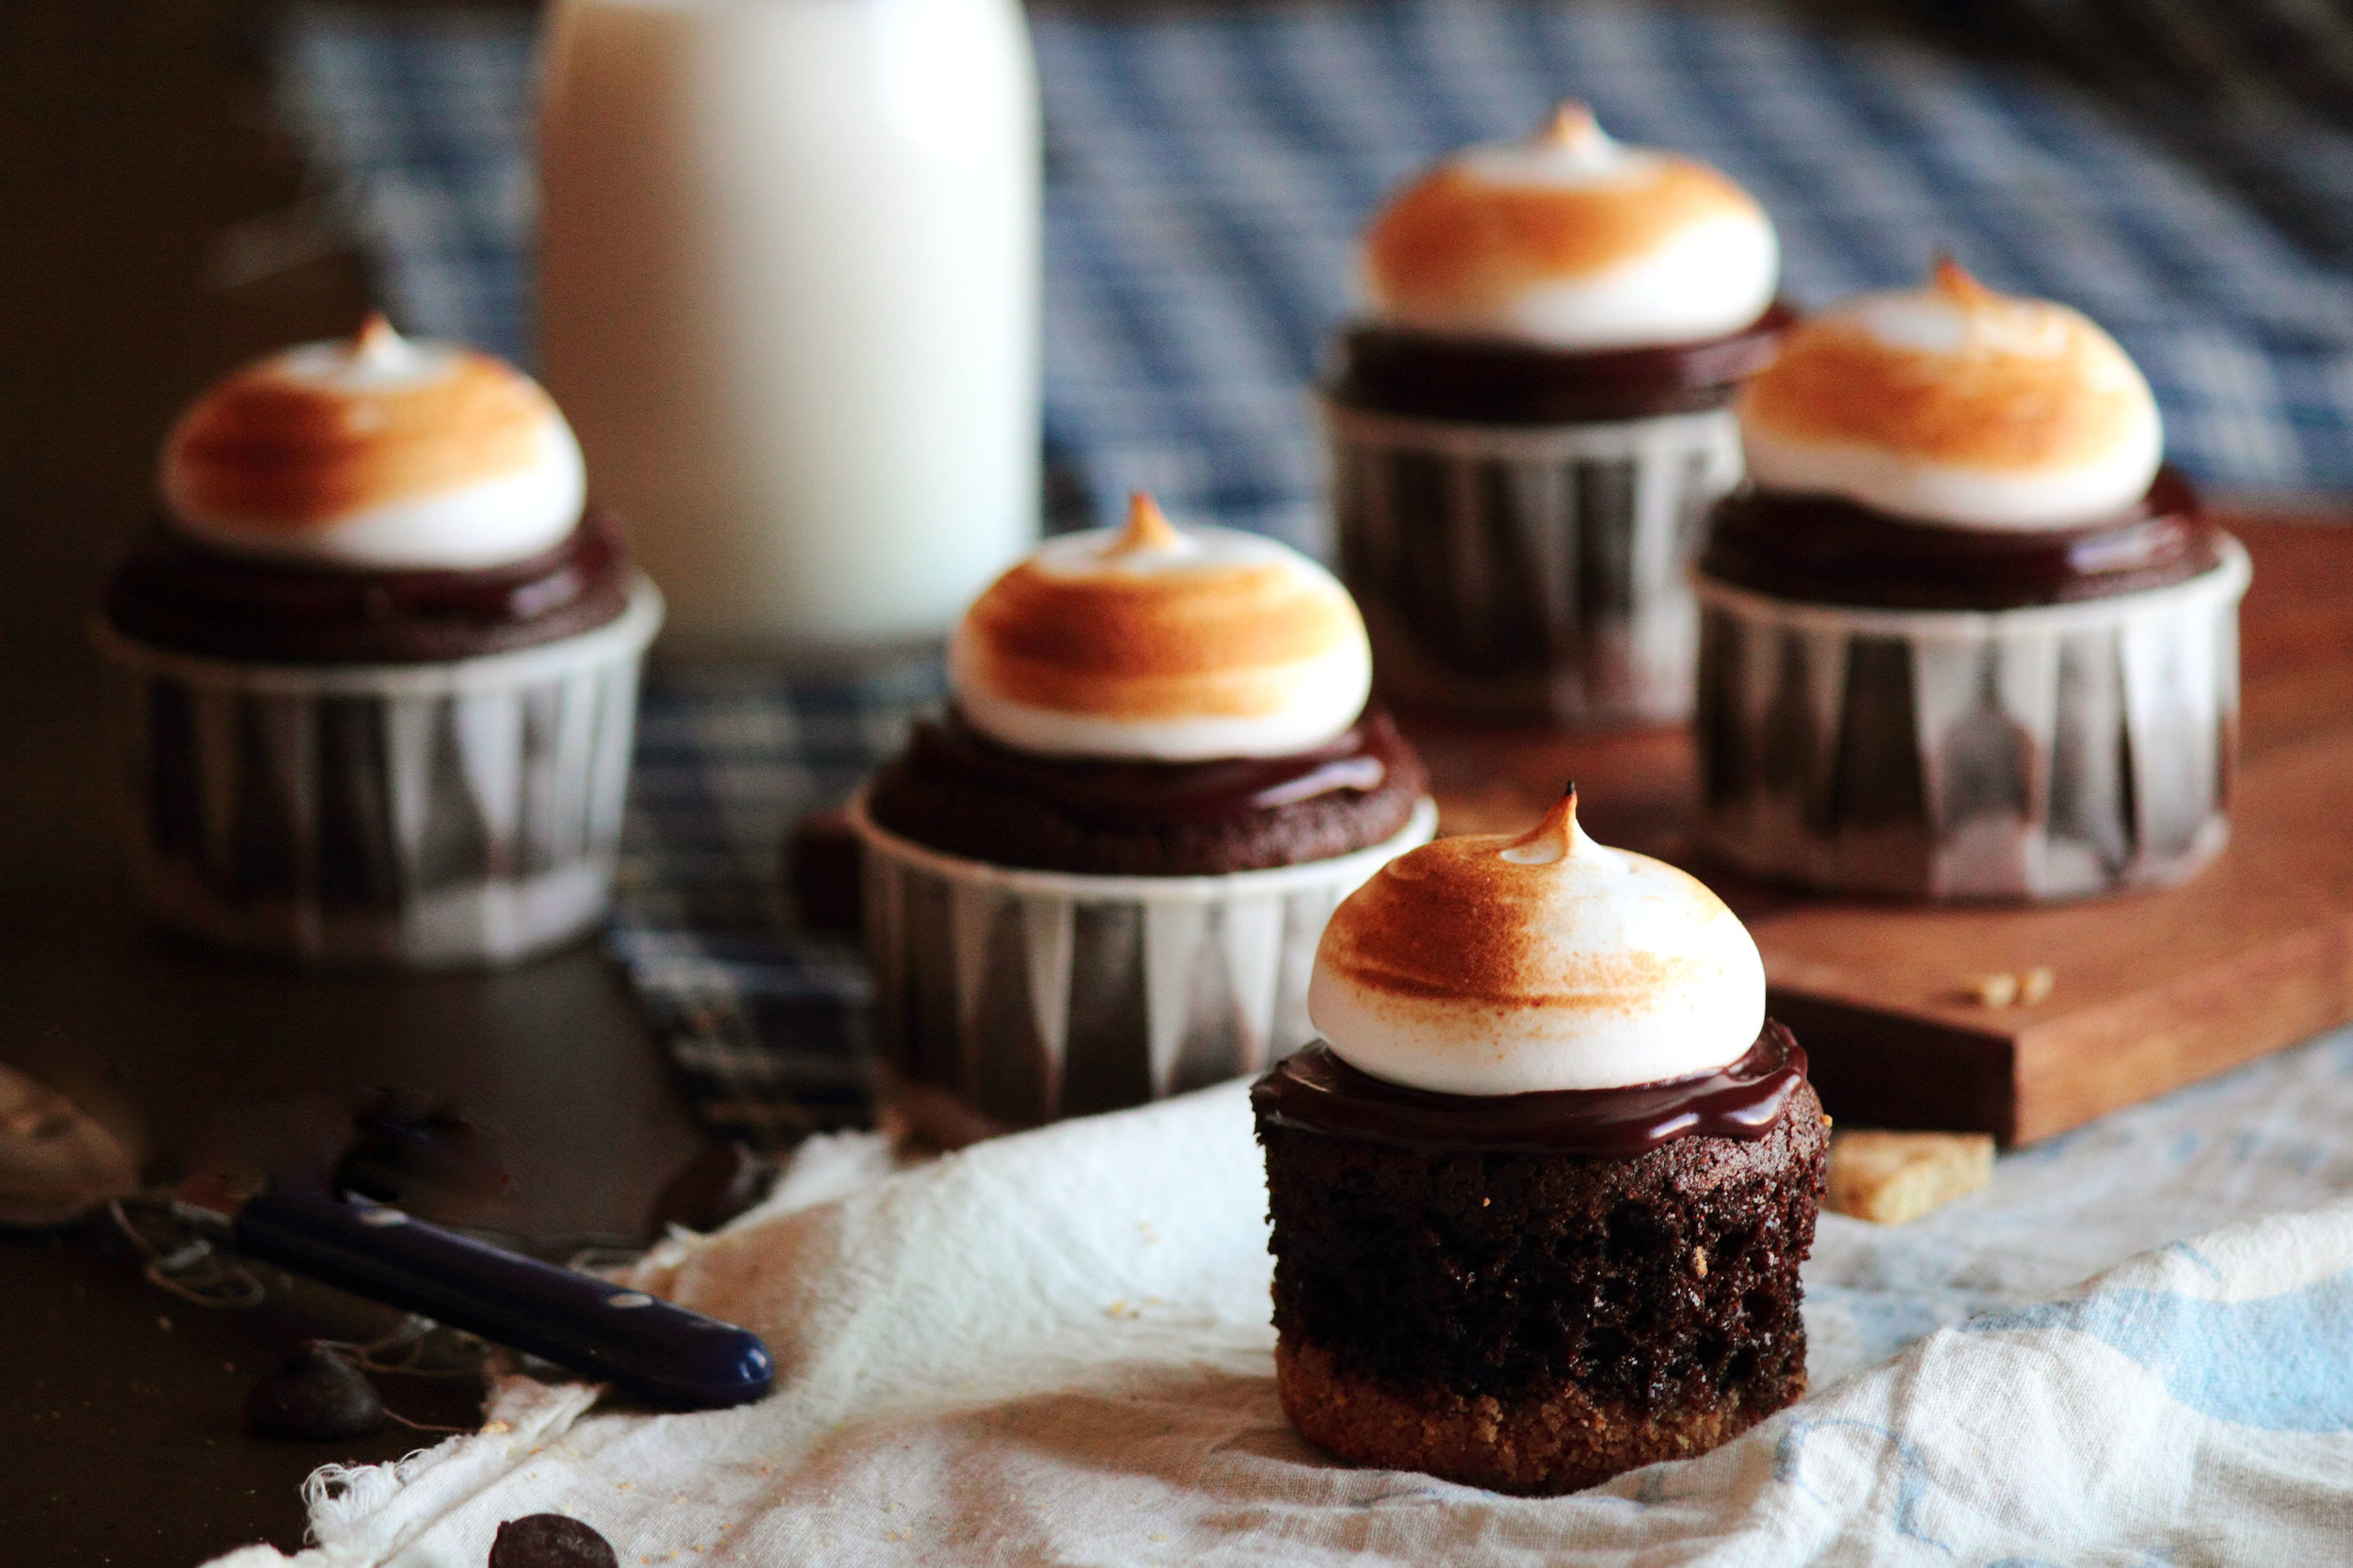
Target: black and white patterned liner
<point>1035,994</point>
<point>429,815</point>
<point>1529,572</point>
<point>2049,752</point>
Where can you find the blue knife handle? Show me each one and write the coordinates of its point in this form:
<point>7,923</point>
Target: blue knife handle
<point>662,1353</point>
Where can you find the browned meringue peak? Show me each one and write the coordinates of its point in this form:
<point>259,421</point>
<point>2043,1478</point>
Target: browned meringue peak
<point>1148,531</point>
<point>1491,964</point>
<point>1158,642</point>
<point>1570,239</point>
<point>376,451</point>
<point>1956,404</point>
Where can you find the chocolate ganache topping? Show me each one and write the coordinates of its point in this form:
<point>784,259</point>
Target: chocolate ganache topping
<point>1313,1091</point>
<point>1829,550</point>
<point>1497,381</point>
<point>1120,793</point>
<point>179,593</point>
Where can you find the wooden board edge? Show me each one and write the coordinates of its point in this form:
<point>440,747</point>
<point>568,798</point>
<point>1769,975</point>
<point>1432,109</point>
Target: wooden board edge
<point>1878,1067</point>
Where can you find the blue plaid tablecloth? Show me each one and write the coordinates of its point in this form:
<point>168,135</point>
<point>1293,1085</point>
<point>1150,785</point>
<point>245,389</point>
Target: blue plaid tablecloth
<point>763,1022</point>
<point>1207,175</point>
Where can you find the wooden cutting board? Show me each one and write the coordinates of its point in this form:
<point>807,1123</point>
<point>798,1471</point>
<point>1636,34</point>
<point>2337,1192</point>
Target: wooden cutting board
<point>2151,991</point>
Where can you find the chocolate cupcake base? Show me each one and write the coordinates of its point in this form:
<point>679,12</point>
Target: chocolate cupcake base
<point>2045,752</point>
<point>1540,1445</point>
<point>1532,1320</point>
<point>1033,995</point>
<point>1529,572</point>
<point>422,815</point>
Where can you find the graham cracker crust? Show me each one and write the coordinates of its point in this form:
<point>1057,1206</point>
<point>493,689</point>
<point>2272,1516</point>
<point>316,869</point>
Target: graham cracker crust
<point>1563,1441</point>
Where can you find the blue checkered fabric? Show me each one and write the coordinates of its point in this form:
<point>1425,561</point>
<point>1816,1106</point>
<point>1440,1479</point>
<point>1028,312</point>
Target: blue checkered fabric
<point>763,1022</point>
<point>1207,175</point>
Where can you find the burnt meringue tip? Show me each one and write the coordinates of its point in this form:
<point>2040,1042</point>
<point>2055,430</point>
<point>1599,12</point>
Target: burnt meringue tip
<point>1554,837</point>
<point>1149,529</point>
<point>1570,123</point>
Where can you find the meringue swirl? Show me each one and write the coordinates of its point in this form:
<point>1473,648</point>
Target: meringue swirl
<point>376,453</point>
<point>1156,642</point>
<point>1492,965</point>
<point>1571,240</point>
<point>1955,404</point>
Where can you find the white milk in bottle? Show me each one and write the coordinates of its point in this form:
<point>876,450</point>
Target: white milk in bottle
<point>789,279</point>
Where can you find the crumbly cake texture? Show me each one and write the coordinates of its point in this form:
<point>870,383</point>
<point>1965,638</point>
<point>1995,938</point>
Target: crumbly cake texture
<point>1891,1178</point>
<point>1540,1322</point>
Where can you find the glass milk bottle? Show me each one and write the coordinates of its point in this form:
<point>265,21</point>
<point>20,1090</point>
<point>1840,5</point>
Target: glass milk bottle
<point>789,281</point>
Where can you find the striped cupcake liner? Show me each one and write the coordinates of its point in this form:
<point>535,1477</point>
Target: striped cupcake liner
<point>1035,994</point>
<point>2050,752</point>
<point>426,815</point>
<point>1533,573</point>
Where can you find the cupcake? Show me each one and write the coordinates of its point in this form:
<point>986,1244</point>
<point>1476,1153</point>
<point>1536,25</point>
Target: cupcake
<point>378,663</point>
<point>1541,1193</point>
<point>1101,875</point>
<point>1964,637</point>
<point>1532,417</point>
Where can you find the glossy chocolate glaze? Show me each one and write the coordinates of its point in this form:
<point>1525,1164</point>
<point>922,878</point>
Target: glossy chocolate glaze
<point>1313,1091</point>
<point>1823,550</point>
<point>1391,371</point>
<point>1135,793</point>
<point>174,592</point>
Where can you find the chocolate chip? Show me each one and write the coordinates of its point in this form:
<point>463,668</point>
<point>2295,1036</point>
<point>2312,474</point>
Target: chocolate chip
<point>550,1540</point>
<point>314,1395</point>
<point>718,1185</point>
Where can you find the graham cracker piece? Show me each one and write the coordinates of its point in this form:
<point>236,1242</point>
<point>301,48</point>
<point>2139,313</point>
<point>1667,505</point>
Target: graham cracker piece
<point>1891,1178</point>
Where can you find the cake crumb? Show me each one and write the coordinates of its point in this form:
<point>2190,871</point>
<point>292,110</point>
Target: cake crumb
<point>1699,1261</point>
<point>1892,1177</point>
<point>2022,989</point>
<point>1994,990</point>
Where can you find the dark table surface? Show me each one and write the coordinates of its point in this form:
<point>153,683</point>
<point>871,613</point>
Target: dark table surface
<point>153,233</point>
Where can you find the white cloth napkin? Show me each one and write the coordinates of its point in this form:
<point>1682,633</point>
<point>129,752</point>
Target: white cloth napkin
<point>1054,1349</point>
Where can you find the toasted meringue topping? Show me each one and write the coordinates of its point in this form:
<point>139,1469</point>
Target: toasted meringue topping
<point>1955,404</point>
<point>1162,643</point>
<point>1571,240</point>
<point>376,453</point>
<point>1492,965</point>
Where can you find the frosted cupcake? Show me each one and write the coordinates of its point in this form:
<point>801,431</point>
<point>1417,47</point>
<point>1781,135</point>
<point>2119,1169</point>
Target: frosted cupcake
<point>1540,1193</point>
<point>1099,877</point>
<point>1531,418</point>
<point>1964,636</point>
<point>380,663</point>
